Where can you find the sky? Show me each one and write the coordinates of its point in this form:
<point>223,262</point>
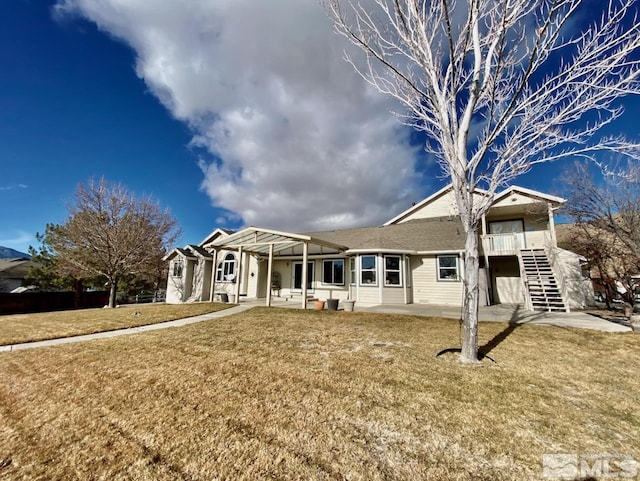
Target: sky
<point>228,112</point>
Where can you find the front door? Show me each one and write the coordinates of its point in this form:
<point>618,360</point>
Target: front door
<point>297,276</point>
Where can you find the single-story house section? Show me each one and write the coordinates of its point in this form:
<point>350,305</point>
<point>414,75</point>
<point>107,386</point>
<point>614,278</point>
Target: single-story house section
<point>416,257</point>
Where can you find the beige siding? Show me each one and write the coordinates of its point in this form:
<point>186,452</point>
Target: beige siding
<point>426,287</point>
<point>175,287</point>
<point>577,289</point>
<point>368,295</point>
<point>393,295</point>
<point>442,206</point>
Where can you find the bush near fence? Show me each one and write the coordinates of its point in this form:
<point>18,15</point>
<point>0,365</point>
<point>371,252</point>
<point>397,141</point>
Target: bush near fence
<point>28,302</point>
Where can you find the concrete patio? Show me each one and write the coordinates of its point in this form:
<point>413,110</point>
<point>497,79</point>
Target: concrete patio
<point>497,313</point>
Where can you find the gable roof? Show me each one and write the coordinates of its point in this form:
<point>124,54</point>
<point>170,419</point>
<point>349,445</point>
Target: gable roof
<point>178,251</point>
<point>257,240</point>
<point>216,234</point>
<point>15,268</point>
<point>438,234</point>
<point>416,207</point>
<point>199,251</point>
<point>513,189</point>
<point>528,193</point>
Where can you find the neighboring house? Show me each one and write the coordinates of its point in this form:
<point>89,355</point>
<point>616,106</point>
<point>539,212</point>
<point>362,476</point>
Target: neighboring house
<point>416,257</point>
<point>13,272</point>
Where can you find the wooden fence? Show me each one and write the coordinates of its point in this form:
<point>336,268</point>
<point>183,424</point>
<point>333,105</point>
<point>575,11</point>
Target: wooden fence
<point>27,302</point>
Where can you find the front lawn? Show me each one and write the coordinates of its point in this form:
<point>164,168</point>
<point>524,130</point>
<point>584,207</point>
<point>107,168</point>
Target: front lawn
<point>18,328</point>
<point>291,394</point>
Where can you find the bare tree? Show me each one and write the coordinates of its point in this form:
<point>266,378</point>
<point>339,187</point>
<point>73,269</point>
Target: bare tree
<point>607,224</point>
<point>110,233</point>
<point>497,86</point>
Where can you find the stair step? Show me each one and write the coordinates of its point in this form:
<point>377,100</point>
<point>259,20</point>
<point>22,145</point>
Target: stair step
<point>544,292</point>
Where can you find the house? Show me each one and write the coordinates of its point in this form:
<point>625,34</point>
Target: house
<point>13,272</point>
<point>416,257</point>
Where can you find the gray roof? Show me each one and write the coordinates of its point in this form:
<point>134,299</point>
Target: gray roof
<point>15,268</point>
<point>436,234</point>
<point>200,250</point>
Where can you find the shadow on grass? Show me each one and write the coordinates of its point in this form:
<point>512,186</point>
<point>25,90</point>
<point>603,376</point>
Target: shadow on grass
<point>515,321</point>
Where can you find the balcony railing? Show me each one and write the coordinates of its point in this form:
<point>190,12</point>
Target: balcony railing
<point>503,244</point>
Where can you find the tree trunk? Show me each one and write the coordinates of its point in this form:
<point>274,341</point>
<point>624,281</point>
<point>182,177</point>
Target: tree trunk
<point>469,352</point>
<point>112,292</point>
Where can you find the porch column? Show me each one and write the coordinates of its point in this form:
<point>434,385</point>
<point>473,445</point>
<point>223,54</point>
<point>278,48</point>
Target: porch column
<point>552,225</point>
<point>214,270</point>
<point>305,257</point>
<point>269,271</point>
<point>484,225</point>
<point>238,275</point>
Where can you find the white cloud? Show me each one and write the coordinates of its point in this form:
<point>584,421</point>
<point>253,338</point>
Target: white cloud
<point>13,186</point>
<point>298,140</point>
<point>19,240</point>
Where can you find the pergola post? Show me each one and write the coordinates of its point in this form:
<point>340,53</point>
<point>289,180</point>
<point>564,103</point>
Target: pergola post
<point>214,271</point>
<point>239,275</point>
<point>269,272</point>
<point>305,257</point>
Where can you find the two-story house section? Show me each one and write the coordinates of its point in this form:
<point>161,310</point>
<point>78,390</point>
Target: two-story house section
<point>416,257</point>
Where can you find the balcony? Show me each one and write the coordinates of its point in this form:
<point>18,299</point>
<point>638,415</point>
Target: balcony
<point>509,244</point>
<point>503,244</point>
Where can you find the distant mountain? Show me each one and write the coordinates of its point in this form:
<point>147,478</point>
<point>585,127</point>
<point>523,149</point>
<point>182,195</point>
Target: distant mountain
<point>8,253</point>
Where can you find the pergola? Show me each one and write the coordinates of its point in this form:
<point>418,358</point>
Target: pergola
<point>271,243</point>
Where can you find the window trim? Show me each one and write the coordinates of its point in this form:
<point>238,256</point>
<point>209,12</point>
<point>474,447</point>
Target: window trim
<point>178,265</point>
<point>221,268</point>
<point>311,276</point>
<point>332,261</point>
<point>374,270</point>
<point>353,271</point>
<point>439,268</point>
<point>398,270</point>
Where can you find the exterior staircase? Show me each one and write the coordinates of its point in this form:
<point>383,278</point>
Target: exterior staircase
<point>544,292</point>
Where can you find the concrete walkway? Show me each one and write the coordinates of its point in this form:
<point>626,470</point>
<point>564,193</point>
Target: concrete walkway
<point>513,314</point>
<point>500,313</point>
<point>130,330</point>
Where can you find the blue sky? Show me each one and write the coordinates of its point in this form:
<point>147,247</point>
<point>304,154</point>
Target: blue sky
<point>227,113</point>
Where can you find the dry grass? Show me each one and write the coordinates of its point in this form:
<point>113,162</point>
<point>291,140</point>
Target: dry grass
<point>288,394</point>
<point>50,325</point>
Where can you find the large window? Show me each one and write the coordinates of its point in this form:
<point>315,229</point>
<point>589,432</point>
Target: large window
<point>177,268</point>
<point>333,272</point>
<point>392,269</point>
<point>448,268</point>
<point>297,275</point>
<point>226,269</point>
<point>368,270</point>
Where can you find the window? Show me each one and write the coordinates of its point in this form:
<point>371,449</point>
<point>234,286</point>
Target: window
<point>333,272</point>
<point>226,269</point>
<point>352,269</point>
<point>392,270</point>
<point>297,275</point>
<point>368,270</point>
<point>448,268</point>
<point>177,268</point>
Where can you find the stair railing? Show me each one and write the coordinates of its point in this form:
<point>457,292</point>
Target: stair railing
<point>528,303</point>
<point>552,254</point>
